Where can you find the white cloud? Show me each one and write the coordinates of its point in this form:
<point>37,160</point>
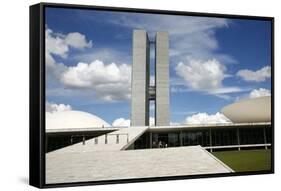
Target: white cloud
<point>105,54</point>
<point>121,122</point>
<point>261,92</point>
<point>152,80</point>
<point>53,107</point>
<point>199,118</point>
<point>109,81</point>
<point>192,36</point>
<point>53,69</point>
<point>201,75</point>
<point>151,121</point>
<point>256,76</point>
<point>59,44</point>
<point>55,44</point>
<point>77,40</point>
<point>225,90</point>
<point>204,118</point>
<point>167,22</point>
<point>204,75</point>
<point>174,123</point>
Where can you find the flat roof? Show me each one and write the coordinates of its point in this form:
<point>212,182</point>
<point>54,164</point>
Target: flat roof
<point>77,130</point>
<point>202,126</point>
<point>154,128</point>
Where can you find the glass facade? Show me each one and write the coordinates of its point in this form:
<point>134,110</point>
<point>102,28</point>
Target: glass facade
<point>252,136</point>
<point>201,137</point>
<point>224,137</point>
<point>207,137</point>
<point>268,135</point>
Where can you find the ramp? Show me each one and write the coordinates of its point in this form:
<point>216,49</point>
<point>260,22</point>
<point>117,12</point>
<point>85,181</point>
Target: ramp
<point>117,140</point>
<point>127,164</point>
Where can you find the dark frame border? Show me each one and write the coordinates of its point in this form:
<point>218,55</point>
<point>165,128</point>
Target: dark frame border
<point>37,94</point>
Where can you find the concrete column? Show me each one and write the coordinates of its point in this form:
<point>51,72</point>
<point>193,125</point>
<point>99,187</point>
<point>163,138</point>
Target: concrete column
<point>162,109</point>
<point>84,139</point>
<point>96,140</point>
<point>117,139</point>
<point>238,139</point>
<point>181,137</point>
<point>211,139</point>
<point>105,139</point>
<point>140,79</point>
<point>264,137</point>
<point>150,139</point>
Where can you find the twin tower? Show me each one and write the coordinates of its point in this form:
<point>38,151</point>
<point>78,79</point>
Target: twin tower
<point>142,92</point>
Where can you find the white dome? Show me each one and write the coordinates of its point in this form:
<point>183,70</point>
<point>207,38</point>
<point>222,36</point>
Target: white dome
<point>73,119</point>
<point>249,110</point>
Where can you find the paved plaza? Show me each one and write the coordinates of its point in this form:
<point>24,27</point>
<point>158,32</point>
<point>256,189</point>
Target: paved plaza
<point>93,162</point>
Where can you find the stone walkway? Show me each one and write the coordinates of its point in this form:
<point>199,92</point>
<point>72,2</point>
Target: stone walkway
<point>94,165</point>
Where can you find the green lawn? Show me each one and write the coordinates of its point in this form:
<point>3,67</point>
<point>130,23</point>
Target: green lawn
<point>247,160</point>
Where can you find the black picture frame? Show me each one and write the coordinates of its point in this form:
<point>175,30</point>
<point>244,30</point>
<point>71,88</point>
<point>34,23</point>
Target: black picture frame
<point>37,93</point>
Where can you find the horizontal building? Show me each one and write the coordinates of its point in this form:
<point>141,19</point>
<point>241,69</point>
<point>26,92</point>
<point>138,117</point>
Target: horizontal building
<point>239,135</point>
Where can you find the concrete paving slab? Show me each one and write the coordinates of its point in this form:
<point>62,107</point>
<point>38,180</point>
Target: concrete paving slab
<point>94,165</point>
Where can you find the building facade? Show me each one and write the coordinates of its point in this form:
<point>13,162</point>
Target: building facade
<point>142,92</point>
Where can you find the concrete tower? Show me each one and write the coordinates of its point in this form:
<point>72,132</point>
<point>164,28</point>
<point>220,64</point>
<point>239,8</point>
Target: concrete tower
<point>142,93</point>
<point>140,79</point>
<point>162,99</point>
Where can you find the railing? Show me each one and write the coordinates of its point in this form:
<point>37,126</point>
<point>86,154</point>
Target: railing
<point>83,138</point>
<point>96,139</point>
<point>238,146</point>
<point>115,134</point>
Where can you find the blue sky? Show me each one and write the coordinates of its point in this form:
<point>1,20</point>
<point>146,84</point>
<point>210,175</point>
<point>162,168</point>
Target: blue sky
<point>213,61</point>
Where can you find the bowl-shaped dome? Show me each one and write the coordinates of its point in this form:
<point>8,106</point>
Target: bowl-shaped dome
<point>73,119</point>
<point>249,110</point>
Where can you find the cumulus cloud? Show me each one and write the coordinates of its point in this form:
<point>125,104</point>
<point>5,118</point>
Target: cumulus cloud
<point>53,107</point>
<point>77,40</point>
<point>121,122</point>
<point>107,55</point>
<point>256,76</point>
<point>55,44</point>
<point>204,75</point>
<point>59,44</point>
<point>109,81</point>
<point>53,69</point>
<point>261,92</point>
<point>204,118</point>
<point>201,75</point>
<point>199,118</point>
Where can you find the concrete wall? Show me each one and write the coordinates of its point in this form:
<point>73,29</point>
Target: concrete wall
<point>162,109</point>
<point>140,79</point>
